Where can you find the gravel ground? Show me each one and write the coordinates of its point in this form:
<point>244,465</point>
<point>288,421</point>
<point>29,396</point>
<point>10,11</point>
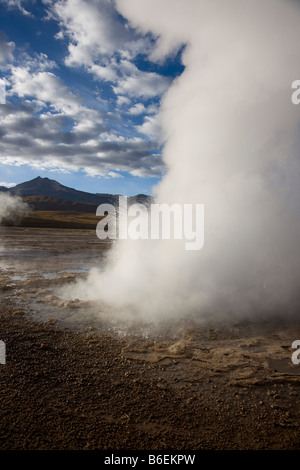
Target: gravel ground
<point>71,387</point>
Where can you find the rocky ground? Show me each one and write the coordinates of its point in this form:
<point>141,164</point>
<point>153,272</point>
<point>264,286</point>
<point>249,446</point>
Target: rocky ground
<point>67,385</point>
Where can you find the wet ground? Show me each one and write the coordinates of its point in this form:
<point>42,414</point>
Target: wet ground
<point>75,378</point>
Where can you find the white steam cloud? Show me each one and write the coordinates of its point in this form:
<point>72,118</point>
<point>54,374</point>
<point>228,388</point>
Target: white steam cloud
<point>12,209</point>
<point>232,144</point>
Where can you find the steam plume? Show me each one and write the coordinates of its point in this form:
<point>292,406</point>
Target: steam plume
<point>12,209</point>
<point>232,144</point>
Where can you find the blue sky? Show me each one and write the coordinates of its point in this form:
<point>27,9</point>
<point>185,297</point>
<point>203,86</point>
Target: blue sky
<point>82,96</point>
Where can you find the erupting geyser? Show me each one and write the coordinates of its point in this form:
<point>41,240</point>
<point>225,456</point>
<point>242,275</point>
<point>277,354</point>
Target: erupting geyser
<point>232,144</point>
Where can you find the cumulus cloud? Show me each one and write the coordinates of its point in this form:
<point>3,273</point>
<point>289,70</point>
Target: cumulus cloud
<point>45,87</point>
<point>52,128</point>
<point>151,127</point>
<point>123,100</point>
<point>6,49</point>
<point>7,185</point>
<point>135,82</point>
<point>137,109</point>
<point>54,131</point>
<point>43,142</point>
<point>93,29</point>
<point>2,92</point>
<point>18,4</point>
<point>106,73</point>
<point>105,45</point>
<point>140,108</point>
<point>33,78</point>
<point>168,39</point>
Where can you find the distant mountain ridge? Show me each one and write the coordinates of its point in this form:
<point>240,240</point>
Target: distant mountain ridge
<point>47,203</point>
<point>51,188</point>
<point>48,194</point>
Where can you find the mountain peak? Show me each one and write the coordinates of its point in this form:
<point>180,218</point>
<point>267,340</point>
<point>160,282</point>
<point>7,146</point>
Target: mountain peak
<point>38,178</point>
<point>47,187</point>
<point>50,188</point>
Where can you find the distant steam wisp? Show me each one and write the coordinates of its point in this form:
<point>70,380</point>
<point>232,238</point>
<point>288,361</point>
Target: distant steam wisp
<point>12,209</point>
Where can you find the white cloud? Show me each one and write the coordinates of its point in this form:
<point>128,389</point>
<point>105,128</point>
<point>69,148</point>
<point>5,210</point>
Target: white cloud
<point>52,128</point>
<point>140,108</point>
<point>137,109</point>
<point>2,92</point>
<point>33,78</point>
<point>151,127</point>
<point>135,82</point>
<point>122,100</point>
<point>93,29</point>
<point>152,109</point>
<point>97,38</point>
<point>106,73</point>
<point>7,185</point>
<point>6,49</point>
<point>156,16</point>
<point>45,87</point>
<point>113,174</point>
<point>16,4</point>
<point>41,141</point>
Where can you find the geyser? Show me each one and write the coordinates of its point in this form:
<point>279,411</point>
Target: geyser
<point>232,144</point>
